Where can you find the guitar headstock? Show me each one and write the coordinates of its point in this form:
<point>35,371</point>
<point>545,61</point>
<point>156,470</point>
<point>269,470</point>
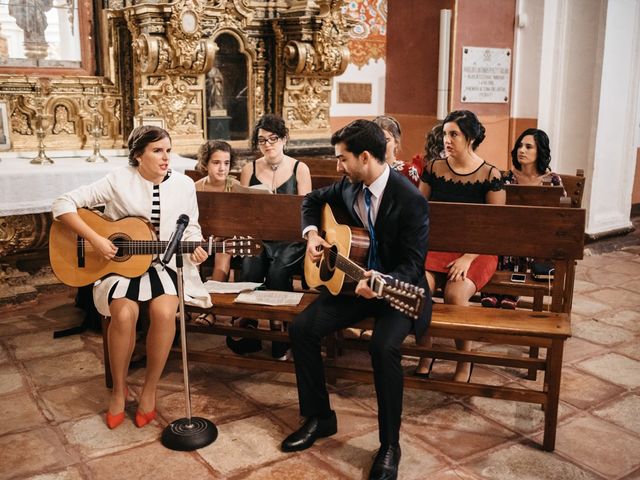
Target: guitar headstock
<point>243,246</point>
<point>403,296</point>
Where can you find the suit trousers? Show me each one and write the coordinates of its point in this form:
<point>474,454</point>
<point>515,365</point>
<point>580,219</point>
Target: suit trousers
<point>331,313</point>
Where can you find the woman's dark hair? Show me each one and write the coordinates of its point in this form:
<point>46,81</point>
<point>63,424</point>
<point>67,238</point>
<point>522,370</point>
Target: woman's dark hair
<point>142,136</point>
<point>469,125</point>
<point>361,135</point>
<point>271,123</point>
<point>543,159</point>
<point>207,149</point>
<point>391,125</point>
<point>434,144</point>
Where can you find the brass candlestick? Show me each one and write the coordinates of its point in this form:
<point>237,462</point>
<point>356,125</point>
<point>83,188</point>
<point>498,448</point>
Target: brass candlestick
<point>96,132</point>
<point>41,125</point>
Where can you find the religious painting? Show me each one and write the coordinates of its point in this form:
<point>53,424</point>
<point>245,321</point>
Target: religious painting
<point>5,144</point>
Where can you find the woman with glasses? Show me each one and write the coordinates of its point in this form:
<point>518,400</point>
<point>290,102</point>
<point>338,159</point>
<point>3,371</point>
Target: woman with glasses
<point>279,261</point>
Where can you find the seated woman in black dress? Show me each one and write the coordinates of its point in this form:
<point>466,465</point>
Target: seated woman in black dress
<point>279,261</point>
<point>463,176</point>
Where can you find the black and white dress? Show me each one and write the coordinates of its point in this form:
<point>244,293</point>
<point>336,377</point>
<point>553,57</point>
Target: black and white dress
<point>125,193</point>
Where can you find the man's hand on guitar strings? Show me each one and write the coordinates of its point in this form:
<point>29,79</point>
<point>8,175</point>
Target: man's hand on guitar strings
<point>198,256</point>
<point>315,246</point>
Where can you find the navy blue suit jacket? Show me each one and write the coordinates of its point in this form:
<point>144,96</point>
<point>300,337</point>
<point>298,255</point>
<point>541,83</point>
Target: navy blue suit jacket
<point>402,228</point>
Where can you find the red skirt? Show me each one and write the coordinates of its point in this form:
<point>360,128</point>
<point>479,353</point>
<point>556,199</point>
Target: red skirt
<point>480,271</point>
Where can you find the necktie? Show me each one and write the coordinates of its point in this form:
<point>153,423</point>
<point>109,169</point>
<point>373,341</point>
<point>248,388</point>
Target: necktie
<point>372,260</point>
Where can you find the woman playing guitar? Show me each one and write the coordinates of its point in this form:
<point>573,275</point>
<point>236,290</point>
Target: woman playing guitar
<point>146,188</point>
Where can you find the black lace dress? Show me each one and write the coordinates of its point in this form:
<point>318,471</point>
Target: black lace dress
<point>449,186</point>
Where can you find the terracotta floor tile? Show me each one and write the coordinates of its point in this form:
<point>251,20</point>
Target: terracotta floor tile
<point>301,466</point>
<point>606,278</point>
<point>453,473</point>
<point>521,462</point>
<point>149,462</point>
<point>76,366</point>
<point>583,439</point>
<point>4,357</point>
<point>69,473</point>
<point>617,297</point>
<point>582,390</point>
<point>243,445</point>
<point>576,349</point>
<point>600,332</point>
<point>627,319</point>
<point>521,417</point>
<point>355,456</point>
<point>92,437</point>
<point>631,349</point>
<point>584,305</point>
<point>26,347</point>
<point>214,401</point>
<point>19,452</point>
<point>582,286</point>
<point>614,368</point>
<point>457,431</point>
<point>268,391</point>
<point>624,412</point>
<point>11,379</point>
<point>633,476</point>
<point>71,402</point>
<point>19,413</point>
<point>19,325</point>
<point>628,268</point>
<point>633,286</point>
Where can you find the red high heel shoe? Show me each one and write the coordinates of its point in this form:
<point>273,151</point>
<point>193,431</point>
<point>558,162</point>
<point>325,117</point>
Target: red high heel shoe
<point>143,418</point>
<point>114,420</point>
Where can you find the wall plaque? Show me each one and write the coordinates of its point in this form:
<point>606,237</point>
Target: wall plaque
<point>354,92</point>
<point>485,75</point>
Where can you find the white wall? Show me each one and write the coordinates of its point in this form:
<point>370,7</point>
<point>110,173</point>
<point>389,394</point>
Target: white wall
<point>527,56</point>
<point>615,142</point>
<point>374,73</point>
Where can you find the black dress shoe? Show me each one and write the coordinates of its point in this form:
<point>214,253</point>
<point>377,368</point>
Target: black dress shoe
<point>385,465</point>
<point>312,429</point>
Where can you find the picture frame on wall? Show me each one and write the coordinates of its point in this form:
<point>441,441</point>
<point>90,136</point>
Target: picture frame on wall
<point>153,121</point>
<point>5,142</point>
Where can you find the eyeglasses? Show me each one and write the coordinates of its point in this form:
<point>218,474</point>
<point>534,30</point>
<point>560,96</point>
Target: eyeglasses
<point>270,139</point>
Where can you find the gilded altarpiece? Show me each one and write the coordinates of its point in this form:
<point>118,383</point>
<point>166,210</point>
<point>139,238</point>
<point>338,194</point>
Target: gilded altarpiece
<point>147,61</point>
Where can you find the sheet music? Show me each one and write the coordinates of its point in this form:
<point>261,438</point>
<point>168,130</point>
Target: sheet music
<point>213,286</point>
<point>270,297</point>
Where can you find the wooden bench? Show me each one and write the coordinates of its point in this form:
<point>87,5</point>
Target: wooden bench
<point>475,230</point>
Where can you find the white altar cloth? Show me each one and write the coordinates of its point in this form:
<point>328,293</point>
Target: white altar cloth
<point>27,188</point>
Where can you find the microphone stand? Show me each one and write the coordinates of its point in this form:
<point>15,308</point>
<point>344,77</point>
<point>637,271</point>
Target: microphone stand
<point>190,433</point>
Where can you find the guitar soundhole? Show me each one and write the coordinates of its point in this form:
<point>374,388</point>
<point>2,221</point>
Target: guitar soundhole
<point>328,265</point>
<point>120,241</point>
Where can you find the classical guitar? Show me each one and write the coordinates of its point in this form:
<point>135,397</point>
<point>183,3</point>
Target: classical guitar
<point>339,267</point>
<point>76,263</point>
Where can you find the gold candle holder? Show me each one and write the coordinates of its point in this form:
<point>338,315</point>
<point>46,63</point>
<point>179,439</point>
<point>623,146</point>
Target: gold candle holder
<point>96,133</point>
<point>41,125</point>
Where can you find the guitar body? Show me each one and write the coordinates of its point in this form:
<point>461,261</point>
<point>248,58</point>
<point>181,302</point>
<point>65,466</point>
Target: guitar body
<point>76,264</point>
<point>350,242</point>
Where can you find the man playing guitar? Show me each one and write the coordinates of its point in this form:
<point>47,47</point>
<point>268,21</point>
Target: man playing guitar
<point>396,216</point>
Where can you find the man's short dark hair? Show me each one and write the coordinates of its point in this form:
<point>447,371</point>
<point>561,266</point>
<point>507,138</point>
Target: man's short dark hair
<point>361,135</point>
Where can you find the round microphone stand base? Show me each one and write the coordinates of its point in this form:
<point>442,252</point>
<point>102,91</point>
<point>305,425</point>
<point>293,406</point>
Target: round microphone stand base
<point>187,435</point>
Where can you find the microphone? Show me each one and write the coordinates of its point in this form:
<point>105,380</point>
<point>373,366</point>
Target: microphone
<point>174,241</point>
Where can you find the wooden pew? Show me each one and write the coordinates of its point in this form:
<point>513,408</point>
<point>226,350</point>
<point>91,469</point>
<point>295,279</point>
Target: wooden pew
<point>475,230</point>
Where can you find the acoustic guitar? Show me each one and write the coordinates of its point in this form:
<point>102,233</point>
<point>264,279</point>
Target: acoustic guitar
<point>76,263</point>
<point>339,269</point>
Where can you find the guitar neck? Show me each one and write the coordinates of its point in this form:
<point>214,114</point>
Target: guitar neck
<point>350,268</point>
<point>151,247</point>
